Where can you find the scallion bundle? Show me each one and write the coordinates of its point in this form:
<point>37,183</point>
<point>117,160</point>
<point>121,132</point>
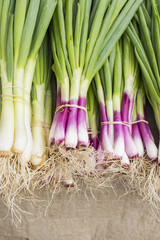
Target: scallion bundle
<point>124,130</point>
<point>23,25</point>
<point>82,35</point>
<point>146,49</point>
<point>144,33</point>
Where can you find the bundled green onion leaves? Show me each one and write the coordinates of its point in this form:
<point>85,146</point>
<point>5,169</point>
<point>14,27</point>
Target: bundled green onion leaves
<point>83,35</point>
<point>23,25</point>
<point>144,33</point>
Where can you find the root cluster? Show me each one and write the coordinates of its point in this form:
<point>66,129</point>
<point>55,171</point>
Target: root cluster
<point>72,169</point>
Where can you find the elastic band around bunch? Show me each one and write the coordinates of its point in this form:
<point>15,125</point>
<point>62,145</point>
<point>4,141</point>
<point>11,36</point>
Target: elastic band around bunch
<point>38,123</point>
<point>139,121</point>
<point>47,125</point>
<point>70,105</point>
<point>91,133</point>
<point>23,89</point>
<point>124,123</point>
<point>12,98</point>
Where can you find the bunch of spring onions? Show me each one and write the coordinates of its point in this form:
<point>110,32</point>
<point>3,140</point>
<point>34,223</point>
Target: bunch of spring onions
<point>121,98</point>
<point>23,25</point>
<point>144,34</point>
<point>83,34</point>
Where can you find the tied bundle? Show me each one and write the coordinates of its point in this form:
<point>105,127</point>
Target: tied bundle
<point>83,35</point>
<point>144,32</point>
<point>23,25</point>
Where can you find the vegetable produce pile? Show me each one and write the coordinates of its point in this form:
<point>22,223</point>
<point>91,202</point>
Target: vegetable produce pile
<point>75,76</point>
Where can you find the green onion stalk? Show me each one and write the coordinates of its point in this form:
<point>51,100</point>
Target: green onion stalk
<point>105,143</point>
<point>95,139</point>
<point>129,77</point>
<point>106,74</point>
<point>56,89</point>
<point>105,148</point>
<point>136,134</point>
<point>40,85</point>
<point>119,137</point>
<point>48,106</point>
<point>0,98</point>
<point>135,126</point>
<point>7,77</point>
<point>87,35</point>
<point>147,137</point>
<point>7,183</point>
<point>93,121</point>
<point>147,49</point>
<point>104,82</point>
<point>56,115</point>
<point>57,132</point>
<point>28,36</point>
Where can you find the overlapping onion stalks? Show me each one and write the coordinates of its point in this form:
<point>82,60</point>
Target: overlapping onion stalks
<point>124,131</point>
<point>83,34</point>
<point>23,25</point>
<point>40,125</point>
<point>144,34</point>
<point>41,119</point>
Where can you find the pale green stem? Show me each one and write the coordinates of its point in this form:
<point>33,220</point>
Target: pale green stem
<point>38,129</point>
<point>20,136</point>
<point>7,113</point>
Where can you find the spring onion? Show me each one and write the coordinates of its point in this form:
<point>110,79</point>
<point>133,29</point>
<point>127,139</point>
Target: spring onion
<point>80,48</point>
<point>41,81</point>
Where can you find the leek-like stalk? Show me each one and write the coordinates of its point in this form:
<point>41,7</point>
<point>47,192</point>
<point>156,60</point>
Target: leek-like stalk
<point>56,116</point>
<point>147,48</point>
<point>136,133</point>
<point>118,129</point>
<point>74,53</point>
<point>41,81</point>
<point>48,112</point>
<point>28,76</point>
<point>60,70</point>
<point>92,110</point>
<point>107,83</point>
<point>106,144</point>
<point>38,128</point>
<point>20,136</point>
<point>29,35</point>
<point>148,142</point>
<point>6,67</point>
<point>128,97</point>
